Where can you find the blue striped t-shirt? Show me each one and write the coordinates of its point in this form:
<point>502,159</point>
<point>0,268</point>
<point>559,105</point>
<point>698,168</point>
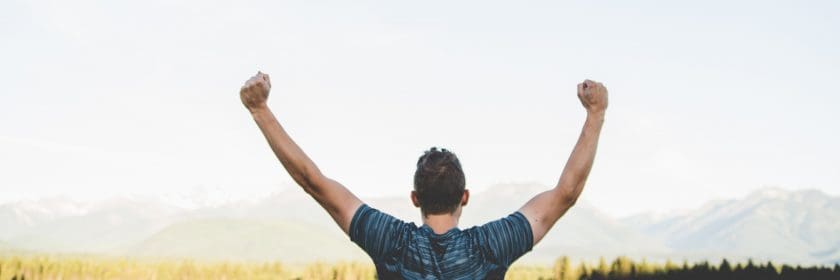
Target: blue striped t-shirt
<point>402,250</point>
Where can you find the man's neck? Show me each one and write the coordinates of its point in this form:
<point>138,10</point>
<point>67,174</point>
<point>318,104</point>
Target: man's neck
<point>442,223</point>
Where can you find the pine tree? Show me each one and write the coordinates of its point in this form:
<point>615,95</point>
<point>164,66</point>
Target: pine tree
<point>644,268</point>
<point>701,270</point>
<point>725,270</point>
<point>724,266</point>
<point>563,270</point>
<point>620,268</point>
<point>583,271</point>
<point>787,272</point>
<point>770,272</point>
<point>601,271</point>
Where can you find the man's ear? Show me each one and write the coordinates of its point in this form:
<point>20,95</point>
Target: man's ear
<point>465,198</point>
<point>414,199</point>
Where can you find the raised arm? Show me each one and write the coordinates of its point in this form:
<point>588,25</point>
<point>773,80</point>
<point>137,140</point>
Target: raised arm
<point>547,207</point>
<point>339,202</point>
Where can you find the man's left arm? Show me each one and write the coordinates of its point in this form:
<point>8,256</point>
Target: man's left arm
<point>339,202</point>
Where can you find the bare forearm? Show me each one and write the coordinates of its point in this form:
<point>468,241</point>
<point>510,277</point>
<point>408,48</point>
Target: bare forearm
<point>547,207</point>
<point>296,162</point>
<point>580,161</point>
<point>339,202</point>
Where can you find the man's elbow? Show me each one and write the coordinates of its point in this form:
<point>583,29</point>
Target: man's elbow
<point>308,179</point>
<point>570,201</point>
<point>568,196</point>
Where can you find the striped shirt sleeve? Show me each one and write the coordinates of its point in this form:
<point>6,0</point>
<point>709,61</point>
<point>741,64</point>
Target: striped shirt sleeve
<point>380,235</point>
<point>508,238</point>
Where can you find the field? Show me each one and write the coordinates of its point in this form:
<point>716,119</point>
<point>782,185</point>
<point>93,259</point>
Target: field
<point>50,267</point>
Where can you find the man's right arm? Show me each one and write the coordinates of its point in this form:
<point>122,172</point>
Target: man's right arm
<point>546,208</point>
<point>339,202</point>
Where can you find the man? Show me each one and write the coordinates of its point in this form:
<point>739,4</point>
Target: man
<point>437,249</point>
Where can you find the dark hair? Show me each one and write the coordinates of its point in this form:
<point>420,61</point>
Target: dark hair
<point>439,182</point>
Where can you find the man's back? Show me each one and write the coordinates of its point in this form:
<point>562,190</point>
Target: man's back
<point>404,251</point>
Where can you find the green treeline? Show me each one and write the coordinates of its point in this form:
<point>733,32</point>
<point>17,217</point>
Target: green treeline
<point>625,268</point>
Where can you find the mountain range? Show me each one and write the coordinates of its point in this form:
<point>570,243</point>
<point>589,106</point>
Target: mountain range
<point>797,227</point>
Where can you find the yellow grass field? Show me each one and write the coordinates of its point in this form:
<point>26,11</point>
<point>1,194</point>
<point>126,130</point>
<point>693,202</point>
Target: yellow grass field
<point>83,267</point>
<point>45,267</point>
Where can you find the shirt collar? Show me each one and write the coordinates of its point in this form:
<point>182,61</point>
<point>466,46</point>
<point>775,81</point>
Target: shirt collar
<point>446,234</point>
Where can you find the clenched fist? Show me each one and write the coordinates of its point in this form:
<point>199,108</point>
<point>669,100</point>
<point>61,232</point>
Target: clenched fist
<point>593,96</point>
<point>255,91</point>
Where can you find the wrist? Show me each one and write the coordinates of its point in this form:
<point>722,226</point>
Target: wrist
<point>595,115</point>
<point>258,109</point>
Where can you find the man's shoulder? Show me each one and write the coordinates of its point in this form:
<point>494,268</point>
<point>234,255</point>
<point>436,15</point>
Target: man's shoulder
<point>374,219</point>
<point>514,218</point>
<point>502,230</point>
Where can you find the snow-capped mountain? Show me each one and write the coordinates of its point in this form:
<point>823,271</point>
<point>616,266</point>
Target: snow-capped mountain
<point>801,226</point>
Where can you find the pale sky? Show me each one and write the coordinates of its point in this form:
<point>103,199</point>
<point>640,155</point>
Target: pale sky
<point>708,99</point>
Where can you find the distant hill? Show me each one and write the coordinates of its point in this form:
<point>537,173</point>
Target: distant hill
<point>802,226</point>
<point>584,232</point>
<point>4,246</point>
<point>17,218</point>
<point>102,228</point>
<point>770,224</point>
<point>247,240</point>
